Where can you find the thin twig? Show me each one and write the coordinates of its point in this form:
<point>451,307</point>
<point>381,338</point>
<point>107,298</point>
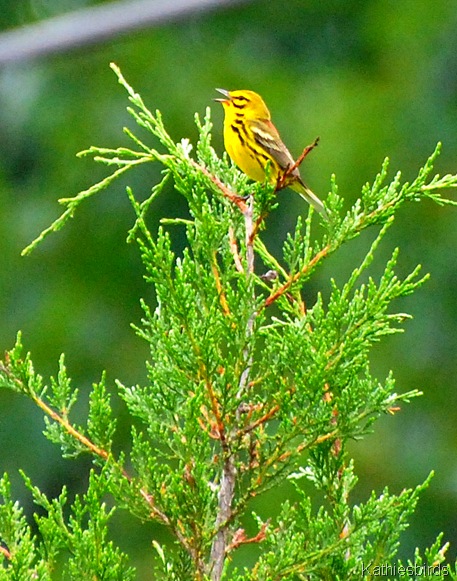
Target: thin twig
<point>259,421</point>
<point>250,255</point>
<point>104,455</point>
<point>285,287</point>
<point>249,229</point>
<point>234,250</point>
<point>220,289</point>
<point>240,538</point>
<point>97,451</point>
<point>256,228</point>
<point>238,200</point>
<point>289,170</point>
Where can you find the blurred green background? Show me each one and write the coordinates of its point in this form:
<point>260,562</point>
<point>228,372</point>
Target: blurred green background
<point>372,78</point>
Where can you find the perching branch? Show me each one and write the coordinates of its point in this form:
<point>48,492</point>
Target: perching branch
<point>282,179</point>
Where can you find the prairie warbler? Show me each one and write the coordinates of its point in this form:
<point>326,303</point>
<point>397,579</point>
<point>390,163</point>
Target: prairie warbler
<point>252,141</point>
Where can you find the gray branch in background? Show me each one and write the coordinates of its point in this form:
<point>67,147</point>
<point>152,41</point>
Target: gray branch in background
<point>95,24</point>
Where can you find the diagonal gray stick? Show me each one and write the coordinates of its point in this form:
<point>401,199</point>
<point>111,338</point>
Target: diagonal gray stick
<point>95,24</point>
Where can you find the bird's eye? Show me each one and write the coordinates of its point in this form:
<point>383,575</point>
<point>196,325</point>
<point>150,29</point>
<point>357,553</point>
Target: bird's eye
<point>240,101</point>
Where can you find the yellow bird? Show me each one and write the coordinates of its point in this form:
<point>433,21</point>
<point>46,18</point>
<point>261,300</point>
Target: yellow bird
<point>252,141</point>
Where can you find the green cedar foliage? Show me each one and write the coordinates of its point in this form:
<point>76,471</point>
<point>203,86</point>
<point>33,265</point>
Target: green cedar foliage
<point>248,387</point>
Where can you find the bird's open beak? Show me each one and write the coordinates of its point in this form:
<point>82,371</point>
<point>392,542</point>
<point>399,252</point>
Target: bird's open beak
<point>226,95</point>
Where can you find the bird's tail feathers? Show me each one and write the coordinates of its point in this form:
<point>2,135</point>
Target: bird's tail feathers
<point>310,197</point>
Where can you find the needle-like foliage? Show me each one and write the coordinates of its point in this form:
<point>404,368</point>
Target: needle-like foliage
<point>251,384</point>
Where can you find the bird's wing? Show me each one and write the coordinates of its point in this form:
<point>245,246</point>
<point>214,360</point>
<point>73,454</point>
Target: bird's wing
<point>267,136</point>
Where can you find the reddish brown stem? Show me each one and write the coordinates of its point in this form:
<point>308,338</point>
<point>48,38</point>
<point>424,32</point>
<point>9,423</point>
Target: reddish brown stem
<point>285,287</point>
<point>283,178</point>
<point>107,457</point>
<point>238,200</point>
<point>240,538</point>
<point>234,250</point>
<point>262,420</point>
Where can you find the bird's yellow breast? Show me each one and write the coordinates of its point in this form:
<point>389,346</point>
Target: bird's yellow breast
<point>241,147</point>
